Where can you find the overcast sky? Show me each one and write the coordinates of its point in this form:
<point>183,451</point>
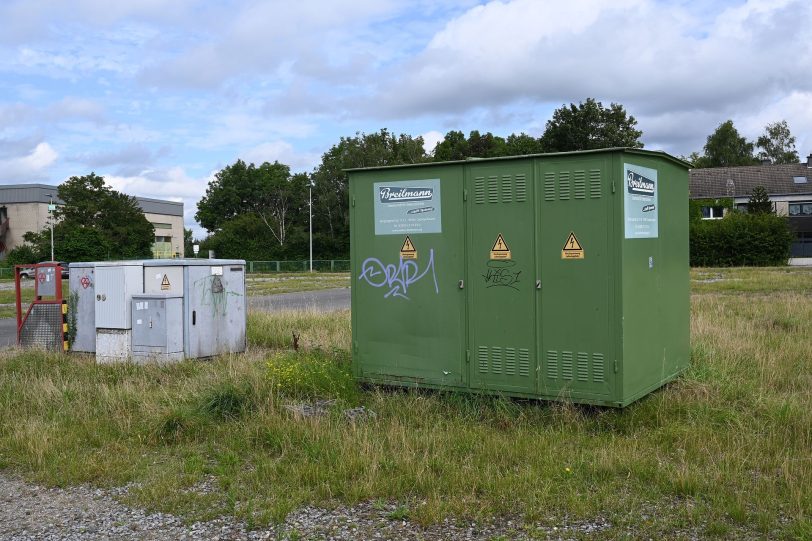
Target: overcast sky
<point>157,95</point>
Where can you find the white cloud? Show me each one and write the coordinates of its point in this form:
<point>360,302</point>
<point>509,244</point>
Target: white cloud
<point>430,139</point>
<point>30,167</point>
<point>283,152</point>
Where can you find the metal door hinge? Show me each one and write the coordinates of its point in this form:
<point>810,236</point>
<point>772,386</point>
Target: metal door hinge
<point>538,284</point>
<point>465,195</point>
<point>462,284</point>
<point>615,366</point>
<point>467,356</point>
<point>613,185</point>
<point>352,201</point>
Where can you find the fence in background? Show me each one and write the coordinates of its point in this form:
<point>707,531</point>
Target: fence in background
<point>320,265</point>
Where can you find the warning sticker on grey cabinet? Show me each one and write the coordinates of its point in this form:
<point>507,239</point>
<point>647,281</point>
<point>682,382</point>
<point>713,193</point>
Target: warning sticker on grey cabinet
<point>409,206</point>
<point>640,202</point>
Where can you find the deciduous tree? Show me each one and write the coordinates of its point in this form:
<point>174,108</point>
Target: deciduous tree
<point>589,125</point>
<point>777,144</point>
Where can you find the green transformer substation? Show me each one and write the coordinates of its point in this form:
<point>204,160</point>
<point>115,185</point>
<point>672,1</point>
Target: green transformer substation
<point>556,276</point>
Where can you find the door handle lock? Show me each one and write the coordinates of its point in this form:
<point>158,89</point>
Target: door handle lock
<point>462,284</point>
<point>538,284</point>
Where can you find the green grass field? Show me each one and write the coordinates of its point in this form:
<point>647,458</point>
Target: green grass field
<point>723,452</point>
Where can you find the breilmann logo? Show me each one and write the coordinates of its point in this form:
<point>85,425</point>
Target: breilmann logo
<point>392,194</point>
<point>638,184</point>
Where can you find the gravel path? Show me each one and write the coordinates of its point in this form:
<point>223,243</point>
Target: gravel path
<point>31,512</point>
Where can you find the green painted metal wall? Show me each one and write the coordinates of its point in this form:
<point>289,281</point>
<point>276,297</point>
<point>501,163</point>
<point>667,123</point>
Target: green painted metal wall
<point>490,299</point>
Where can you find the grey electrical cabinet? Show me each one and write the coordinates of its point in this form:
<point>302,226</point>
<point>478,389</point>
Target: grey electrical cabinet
<point>116,283</point>
<point>214,305</point>
<point>163,308</point>
<point>82,306</point>
<point>157,326</point>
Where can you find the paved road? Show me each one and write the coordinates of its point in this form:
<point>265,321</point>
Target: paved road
<point>326,300</point>
<point>8,332</point>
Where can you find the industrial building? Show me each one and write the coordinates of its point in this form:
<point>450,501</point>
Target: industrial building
<point>24,208</point>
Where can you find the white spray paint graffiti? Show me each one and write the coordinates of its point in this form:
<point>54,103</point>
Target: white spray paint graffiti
<point>397,278</point>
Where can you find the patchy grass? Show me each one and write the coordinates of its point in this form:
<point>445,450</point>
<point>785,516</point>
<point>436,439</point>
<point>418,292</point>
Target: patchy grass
<point>723,452</point>
<point>269,284</point>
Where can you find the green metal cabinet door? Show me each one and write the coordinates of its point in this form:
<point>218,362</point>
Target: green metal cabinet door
<point>408,310</point>
<point>501,277</point>
<point>575,259</point>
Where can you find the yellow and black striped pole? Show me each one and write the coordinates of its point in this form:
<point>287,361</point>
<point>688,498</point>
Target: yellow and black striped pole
<point>65,344</point>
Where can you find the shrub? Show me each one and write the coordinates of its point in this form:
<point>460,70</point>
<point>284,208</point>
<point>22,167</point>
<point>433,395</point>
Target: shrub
<point>740,240</point>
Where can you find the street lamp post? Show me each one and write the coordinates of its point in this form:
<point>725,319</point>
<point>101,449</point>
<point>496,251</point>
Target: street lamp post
<point>310,221</point>
<point>51,208</point>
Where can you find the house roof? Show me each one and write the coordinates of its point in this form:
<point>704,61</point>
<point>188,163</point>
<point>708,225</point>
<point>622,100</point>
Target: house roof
<point>740,181</point>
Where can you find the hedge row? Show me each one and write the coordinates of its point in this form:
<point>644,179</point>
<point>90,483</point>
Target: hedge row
<point>741,240</point>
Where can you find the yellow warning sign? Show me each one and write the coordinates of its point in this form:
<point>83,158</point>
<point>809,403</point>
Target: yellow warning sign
<point>408,251</point>
<point>572,248</point>
<point>165,283</point>
<point>500,249</point>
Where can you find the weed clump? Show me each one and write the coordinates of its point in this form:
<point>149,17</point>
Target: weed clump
<point>227,401</point>
<point>313,375</point>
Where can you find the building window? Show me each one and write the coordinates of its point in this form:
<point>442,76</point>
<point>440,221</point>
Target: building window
<point>741,207</point>
<point>158,225</point>
<point>162,247</point>
<point>712,213</point>
<point>801,208</point>
<point>799,180</point>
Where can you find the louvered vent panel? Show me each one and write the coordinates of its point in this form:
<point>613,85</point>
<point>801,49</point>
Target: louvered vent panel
<point>493,189</point>
<point>507,189</point>
<point>595,183</point>
<point>564,185</point>
<point>552,364</point>
<point>583,366</point>
<point>496,360</point>
<point>524,362</point>
<point>510,361</point>
<point>479,190</point>
<point>597,368</point>
<point>482,358</point>
<point>566,365</point>
<point>579,184</point>
<point>549,186</point>
<point>521,189</point>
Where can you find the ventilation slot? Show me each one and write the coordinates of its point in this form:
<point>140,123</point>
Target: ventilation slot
<point>479,190</point>
<point>521,189</point>
<point>566,365</point>
<point>496,360</point>
<point>482,357</point>
<point>510,361</point>
<point>524,362</point>
<point>549,186</point>
<point>583,366</point>
<point>579,184</point>
<point>564,185</point>
<point>597,368</point>
<point>552,364</point>
<point>595,183</point>
<point>493,189</point>
<point>507,189</point>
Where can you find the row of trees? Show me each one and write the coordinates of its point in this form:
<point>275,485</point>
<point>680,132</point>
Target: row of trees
<point>726,147</point>
<point>261,212</point>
